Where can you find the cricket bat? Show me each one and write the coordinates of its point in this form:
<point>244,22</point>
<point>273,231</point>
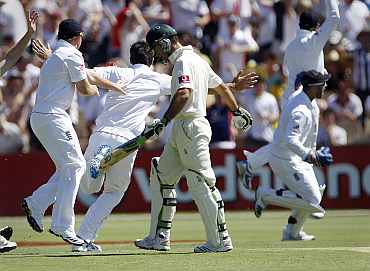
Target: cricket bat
<point>106,157</point>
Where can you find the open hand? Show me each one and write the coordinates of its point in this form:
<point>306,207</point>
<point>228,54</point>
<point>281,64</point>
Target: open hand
<point>33,16</point>
<point>40,49</point>
<point>244,80</point>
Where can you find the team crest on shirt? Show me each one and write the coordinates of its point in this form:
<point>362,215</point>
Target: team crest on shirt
<point>184,79</point>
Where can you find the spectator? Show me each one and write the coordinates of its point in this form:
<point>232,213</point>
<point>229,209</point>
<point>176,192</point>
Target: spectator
<point>354,17</point>
<point>266,25</point>
<point>329,132</point>
<point>219,117</point>
<point>231,50</point>
<point>11,140</point>
<point>154,12</point>
<point>264,109</point>
<point>348,109</point>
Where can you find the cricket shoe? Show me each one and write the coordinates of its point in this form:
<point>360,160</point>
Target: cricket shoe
<point>34,217</point>
<point>157,243</point>
<point>258,204</point>
<point>6,245</point>
<point>302,236</point>
<point>87,247</point>
<point>225,246</point>
<point>318,215</point>
<point>6,232</point>
<point>68,237</point>
<point>245,174</point>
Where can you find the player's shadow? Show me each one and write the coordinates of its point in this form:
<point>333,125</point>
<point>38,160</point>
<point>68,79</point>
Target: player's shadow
<point>117,254</point>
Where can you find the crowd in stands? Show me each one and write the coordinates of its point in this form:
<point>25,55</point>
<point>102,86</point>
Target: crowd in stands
<point>230,34</point>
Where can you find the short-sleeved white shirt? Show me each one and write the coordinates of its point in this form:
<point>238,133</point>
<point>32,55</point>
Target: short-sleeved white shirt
<point>193,72</point>
<point>58,76</point>
<point>128,112</point>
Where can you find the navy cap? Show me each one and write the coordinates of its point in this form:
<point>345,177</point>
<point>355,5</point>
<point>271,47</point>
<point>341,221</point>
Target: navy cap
<point>68,29</point>
<point>313,78</point>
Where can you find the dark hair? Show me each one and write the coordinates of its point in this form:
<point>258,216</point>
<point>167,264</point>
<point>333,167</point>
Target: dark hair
<point>309,20</point>
<point>140,53</point>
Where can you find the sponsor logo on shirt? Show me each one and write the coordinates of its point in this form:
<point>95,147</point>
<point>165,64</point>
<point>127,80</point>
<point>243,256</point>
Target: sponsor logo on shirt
<point>184,79</point>
<point>68,135</point>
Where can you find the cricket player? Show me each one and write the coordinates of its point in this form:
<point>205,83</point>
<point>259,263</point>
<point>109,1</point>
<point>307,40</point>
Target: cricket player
<point>304,53</point>
<point>7,63</point>
<point>62,73</point>
<point>122,119</point>
<point>293,154</point>
<point>187,152</point>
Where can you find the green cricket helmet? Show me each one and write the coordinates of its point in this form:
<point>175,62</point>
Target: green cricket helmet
<point>158,38</point>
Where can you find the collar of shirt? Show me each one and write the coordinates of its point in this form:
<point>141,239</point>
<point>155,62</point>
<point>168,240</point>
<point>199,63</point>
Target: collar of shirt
<point>63,43</point>
<point>175,55</point>
<point>306,99</point>
<point>139,66</point>
<point>304,33</point>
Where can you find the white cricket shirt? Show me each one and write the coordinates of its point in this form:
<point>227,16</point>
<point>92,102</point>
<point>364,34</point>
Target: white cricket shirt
<point>57,77</point>
<point>123,113</point>
<point>305,53</point>
<point>297,132</point>
<point>191,71</point>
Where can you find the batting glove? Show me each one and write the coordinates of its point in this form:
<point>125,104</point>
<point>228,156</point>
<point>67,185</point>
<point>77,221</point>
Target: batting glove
<point>242,119</point>
<point>321,157</point>
<point>104,153</point>
<point>156,127</point>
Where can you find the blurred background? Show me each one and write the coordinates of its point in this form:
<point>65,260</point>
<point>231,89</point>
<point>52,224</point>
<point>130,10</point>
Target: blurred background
<point>230,35</point>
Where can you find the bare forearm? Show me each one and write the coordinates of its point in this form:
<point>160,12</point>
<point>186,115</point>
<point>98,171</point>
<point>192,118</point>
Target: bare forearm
<point>228,97</point>
<point>95,79</point>
<point>16,52</point>
<point>177,104</point>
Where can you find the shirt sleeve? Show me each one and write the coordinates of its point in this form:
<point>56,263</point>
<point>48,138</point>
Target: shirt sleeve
<point>76,68</point>
<point>295,128</point>
<point>165,84</point>
<point>182,76</point>
<point>331,22</point>
<point>214,80</point>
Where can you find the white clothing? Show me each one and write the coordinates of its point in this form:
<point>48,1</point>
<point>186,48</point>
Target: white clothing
<point>305,53</point>
<point>193,72</point>
<point>57,77</point>
<point>184,14</point>
<point>297,132</point>
<point>230,61</point>
<point>261,107</point>
<point>128,38</point>
<point>57,135</point>
<point>354,104</point>
<point>338,135</point>
<point>266,29</point>
<point>10,139</point>
<point>129,111</point>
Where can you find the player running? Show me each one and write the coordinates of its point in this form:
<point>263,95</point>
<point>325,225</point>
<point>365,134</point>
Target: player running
<point>304,53</point>
<point>61,74</point>
<point>293,154</point>
<point>187,152</point>
<point>6,64</point>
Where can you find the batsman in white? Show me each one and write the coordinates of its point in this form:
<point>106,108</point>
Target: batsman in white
<point>303,53</point>
<point>187,151</point>
<point>293,154</point>
<point>62,73</point>
<point>7,63</point>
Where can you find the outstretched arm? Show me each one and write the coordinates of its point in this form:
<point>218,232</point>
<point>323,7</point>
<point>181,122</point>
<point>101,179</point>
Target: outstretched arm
<point>95,79</point>
<point>15,53</point>
<point>242,81</point>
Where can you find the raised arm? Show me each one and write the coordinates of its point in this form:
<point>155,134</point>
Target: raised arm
<point>16,52</point>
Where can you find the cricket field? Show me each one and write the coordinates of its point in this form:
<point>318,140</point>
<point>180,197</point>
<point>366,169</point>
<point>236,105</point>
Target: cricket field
<point>342,244</point>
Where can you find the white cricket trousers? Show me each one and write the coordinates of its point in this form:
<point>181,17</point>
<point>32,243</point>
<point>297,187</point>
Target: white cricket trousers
<point>116,181</point>
<point>57,135</point>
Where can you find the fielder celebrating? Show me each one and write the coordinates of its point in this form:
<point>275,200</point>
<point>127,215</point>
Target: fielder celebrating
<point>61,74</point>
<point>7,63</point>
<point>293,154</point>
<point>187,152</point>
<point>304,53</point>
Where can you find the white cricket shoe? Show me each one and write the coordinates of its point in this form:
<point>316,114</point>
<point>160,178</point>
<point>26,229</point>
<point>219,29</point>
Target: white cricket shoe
<point>302,236</point>
<point>69,237</point>
<point>258,204</point>
<point>245,174</point>
<point>207,248</point>
<point>87,247</point>
<point>6,245</point>
<point>34,216</point>
<point>318,215</point>
<point>157,243</point>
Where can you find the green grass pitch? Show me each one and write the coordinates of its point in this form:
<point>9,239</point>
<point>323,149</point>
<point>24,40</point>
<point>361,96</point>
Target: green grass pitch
<point>343,243</point>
